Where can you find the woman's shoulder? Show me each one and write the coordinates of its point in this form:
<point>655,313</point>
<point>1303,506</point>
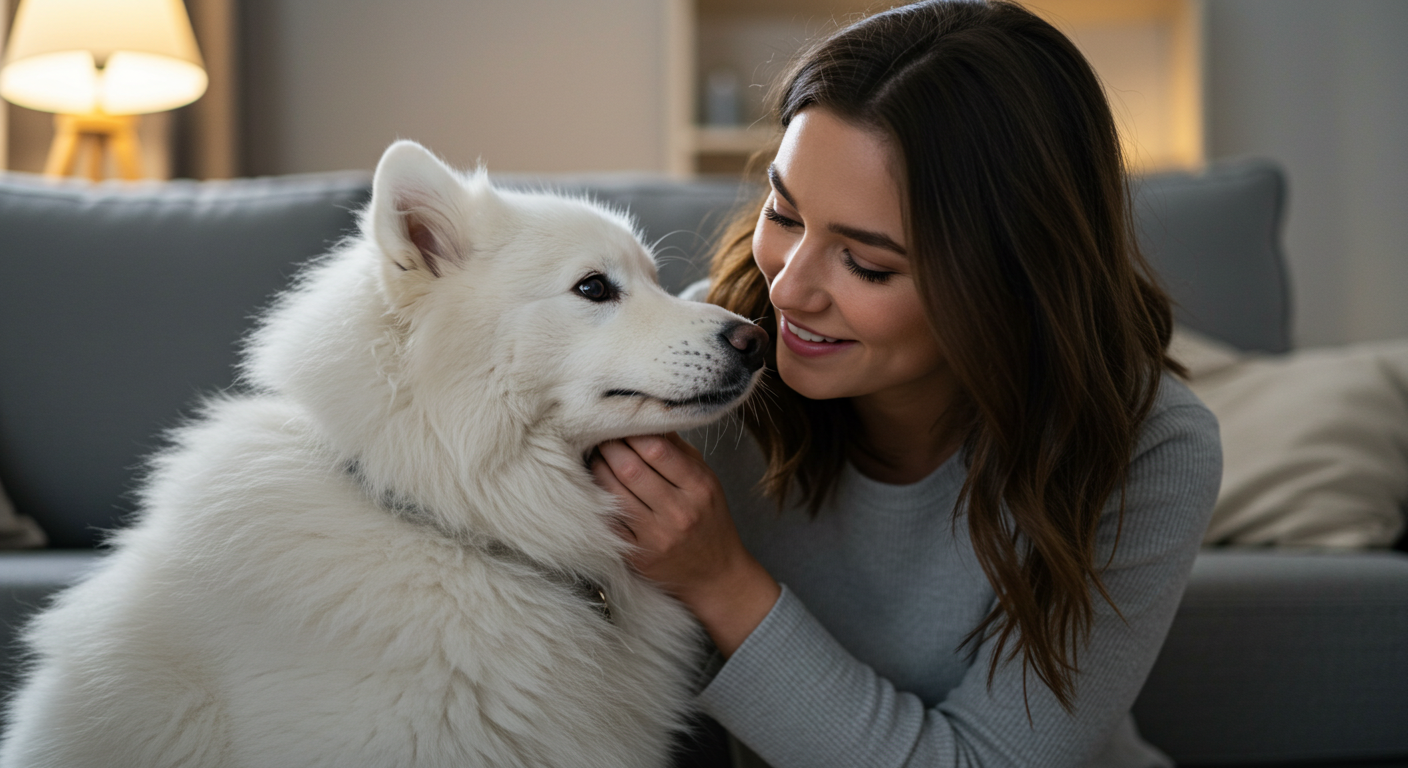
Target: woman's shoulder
<point>1176,470</point>
<point>1178,415</point>
<point>695,291</point>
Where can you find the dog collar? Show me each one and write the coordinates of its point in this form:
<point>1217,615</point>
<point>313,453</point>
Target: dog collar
<point>412,511</point>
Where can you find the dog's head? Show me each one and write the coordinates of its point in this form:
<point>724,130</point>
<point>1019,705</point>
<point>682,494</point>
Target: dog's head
<point>548,303</point>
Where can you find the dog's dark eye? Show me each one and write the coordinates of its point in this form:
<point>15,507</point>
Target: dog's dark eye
<point>597,288</point>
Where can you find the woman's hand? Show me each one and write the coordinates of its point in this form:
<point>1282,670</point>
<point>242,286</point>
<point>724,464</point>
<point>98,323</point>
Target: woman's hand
<point>675,512</point>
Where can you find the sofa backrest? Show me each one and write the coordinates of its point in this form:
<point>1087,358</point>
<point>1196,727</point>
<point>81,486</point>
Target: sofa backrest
<point>120,305</point>
<point>682,220</point>
<point>1214,238</point>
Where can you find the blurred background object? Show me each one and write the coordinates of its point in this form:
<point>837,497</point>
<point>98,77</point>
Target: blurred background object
<point>98,65</point>
<point>199,140</point>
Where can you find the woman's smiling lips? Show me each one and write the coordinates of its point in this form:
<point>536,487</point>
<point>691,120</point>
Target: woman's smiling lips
<point>814,344</point>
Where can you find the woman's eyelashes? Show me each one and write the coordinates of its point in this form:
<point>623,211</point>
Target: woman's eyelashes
<point>770,213</point>
<point>868,275</point>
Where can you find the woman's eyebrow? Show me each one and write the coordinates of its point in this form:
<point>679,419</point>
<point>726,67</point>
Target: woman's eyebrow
<point>776,179</point>
<point>866,237</point>
<point>863,236</point>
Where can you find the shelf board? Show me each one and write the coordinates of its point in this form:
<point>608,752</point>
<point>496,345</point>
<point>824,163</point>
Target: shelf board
<point>741,140</point>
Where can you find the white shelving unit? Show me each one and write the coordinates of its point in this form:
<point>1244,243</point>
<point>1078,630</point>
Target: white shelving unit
<point>1148,53</point>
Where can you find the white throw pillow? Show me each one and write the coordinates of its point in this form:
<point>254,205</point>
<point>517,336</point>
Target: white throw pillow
<point>1315,443</point>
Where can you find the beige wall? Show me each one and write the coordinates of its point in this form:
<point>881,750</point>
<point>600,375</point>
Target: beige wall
<point>527,85</point>
<point>1323,88</point>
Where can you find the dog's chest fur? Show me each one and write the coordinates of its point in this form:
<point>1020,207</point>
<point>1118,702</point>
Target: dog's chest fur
<point>335,633</point>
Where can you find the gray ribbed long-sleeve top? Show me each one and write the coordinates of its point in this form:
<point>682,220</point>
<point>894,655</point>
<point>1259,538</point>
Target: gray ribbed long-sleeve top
<point>858,663</point>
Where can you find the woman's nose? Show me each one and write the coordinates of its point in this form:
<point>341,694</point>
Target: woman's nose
<point>799,285</point>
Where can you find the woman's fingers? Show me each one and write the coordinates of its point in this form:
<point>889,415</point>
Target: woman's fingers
<point>607,478</point>
<point>684,537</point>
<point>637,474</point>
<point>624,531</point>
<point>684,445</point>
<point>631,506</point>
<point>671,457</point>
<point>672,497</point>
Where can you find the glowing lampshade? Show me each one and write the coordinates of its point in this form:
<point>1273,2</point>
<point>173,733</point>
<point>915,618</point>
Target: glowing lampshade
<point>119,57</point>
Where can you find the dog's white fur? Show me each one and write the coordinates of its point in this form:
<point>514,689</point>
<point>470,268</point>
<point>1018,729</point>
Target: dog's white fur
<point>271,608</point>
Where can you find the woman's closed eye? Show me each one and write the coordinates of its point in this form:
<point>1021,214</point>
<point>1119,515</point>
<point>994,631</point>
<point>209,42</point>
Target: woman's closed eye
<point>770,213</point>
<point>864,273</point>
<point>867,274</point>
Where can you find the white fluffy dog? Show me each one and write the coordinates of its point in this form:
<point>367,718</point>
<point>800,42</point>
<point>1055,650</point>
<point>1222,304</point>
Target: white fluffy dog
<point>391,552</point>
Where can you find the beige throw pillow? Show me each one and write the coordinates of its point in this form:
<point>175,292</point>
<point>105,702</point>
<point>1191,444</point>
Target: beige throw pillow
<point>1315,443</point>
<point>18,531</point>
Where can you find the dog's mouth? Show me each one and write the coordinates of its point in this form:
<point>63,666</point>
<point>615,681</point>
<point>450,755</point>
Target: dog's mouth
<point>715,399</point>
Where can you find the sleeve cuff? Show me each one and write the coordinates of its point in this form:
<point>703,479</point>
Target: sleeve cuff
<point>776,693</point>
<point>766,662</point>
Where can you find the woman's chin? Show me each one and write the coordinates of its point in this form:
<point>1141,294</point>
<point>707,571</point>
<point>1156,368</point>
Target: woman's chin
<point>804,379</point>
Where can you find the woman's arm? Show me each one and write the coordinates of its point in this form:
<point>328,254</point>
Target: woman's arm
<point>795,696</point>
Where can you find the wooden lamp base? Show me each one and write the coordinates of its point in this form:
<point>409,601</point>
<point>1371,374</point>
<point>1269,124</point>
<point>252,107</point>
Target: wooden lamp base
<point>90,136</point>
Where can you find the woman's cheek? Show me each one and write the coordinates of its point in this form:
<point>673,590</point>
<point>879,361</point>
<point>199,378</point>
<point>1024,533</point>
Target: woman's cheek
<point>765,250</point>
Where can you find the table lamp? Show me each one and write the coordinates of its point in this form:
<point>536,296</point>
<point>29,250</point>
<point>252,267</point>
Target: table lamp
<point>98,64</point>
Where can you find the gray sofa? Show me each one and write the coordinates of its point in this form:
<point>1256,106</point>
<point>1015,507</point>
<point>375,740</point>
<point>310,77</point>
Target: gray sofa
<point>120,306</point>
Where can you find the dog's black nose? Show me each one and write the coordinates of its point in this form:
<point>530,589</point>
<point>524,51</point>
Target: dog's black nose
<point>749,341</point>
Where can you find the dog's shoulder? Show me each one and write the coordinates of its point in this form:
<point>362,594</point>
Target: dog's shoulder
<point>247,440</point>
<point>245,460</point>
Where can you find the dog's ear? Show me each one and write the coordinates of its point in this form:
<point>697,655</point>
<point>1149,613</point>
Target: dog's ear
<point>418,211</point>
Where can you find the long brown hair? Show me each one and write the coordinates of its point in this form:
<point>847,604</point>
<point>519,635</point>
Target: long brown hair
<point>1018,219</point>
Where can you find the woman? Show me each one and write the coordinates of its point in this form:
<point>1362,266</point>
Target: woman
<point>970,467</point>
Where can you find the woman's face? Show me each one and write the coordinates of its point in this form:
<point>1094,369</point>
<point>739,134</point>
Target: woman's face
<point>831,242</point>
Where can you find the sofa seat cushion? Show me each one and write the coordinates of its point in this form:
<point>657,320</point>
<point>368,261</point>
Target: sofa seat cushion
<point>1284,656</point>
